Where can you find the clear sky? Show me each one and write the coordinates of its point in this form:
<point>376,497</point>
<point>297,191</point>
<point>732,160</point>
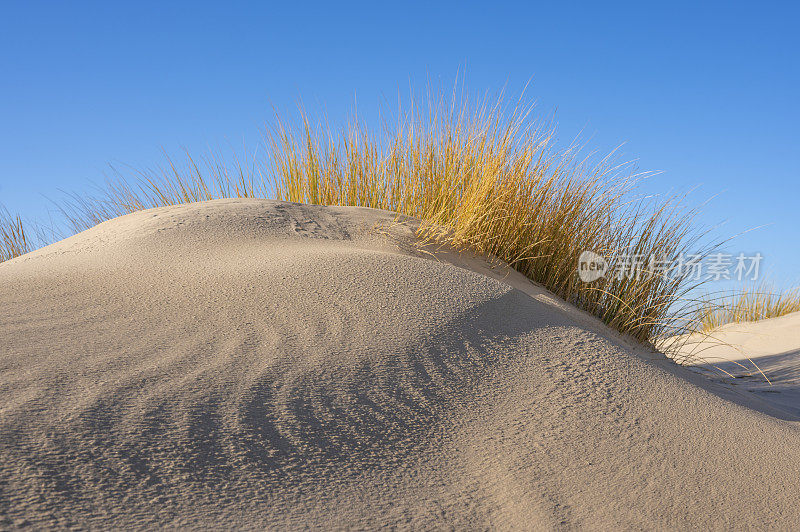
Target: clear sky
<point>704,92</point>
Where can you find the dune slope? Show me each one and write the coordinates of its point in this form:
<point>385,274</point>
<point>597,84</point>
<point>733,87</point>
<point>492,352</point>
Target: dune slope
<point>248,363</point>
<point>761,358</point>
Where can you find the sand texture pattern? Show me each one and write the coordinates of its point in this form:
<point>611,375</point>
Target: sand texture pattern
<point>252,364</point>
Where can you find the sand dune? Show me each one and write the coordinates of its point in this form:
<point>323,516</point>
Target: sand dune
<point>247,363</point>
<point>760,358</point>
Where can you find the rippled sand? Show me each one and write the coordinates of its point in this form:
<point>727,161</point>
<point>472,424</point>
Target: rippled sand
<point>249,363</point>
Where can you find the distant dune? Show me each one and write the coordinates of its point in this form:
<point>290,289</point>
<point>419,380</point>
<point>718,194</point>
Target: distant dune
<point>251,364</point>
<point>760,358</point>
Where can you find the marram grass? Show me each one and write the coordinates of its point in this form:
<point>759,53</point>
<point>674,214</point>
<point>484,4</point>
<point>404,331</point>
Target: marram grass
<point>754,303</point>
<point>14,241</point>
<point>482,176</point>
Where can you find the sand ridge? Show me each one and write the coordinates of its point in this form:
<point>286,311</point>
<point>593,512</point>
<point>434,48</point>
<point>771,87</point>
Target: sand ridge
<point>251,364</point>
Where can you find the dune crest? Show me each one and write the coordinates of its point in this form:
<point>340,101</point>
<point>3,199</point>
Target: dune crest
<point>252,363</point>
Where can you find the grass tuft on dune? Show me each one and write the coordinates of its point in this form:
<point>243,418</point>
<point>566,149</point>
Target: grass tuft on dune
<point>754,303</point>
<point>483,176</point>
<point>14,241</point>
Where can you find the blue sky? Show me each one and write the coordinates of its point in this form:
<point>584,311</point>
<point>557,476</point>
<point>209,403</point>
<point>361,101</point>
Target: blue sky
<point>706,94</point>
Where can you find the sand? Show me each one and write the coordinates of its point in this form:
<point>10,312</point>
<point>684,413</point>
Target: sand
<point>257,364</point>
<point>759,358</point>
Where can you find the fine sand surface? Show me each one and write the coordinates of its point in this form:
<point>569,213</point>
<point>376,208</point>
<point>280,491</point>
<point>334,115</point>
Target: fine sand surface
<point>761,358</point>
<point>252,364</point>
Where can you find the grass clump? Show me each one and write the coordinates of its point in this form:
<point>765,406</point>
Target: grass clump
<point>489,179</point>
<point>754,303</point>
<point>13,239</point>
<point>485,177</point>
